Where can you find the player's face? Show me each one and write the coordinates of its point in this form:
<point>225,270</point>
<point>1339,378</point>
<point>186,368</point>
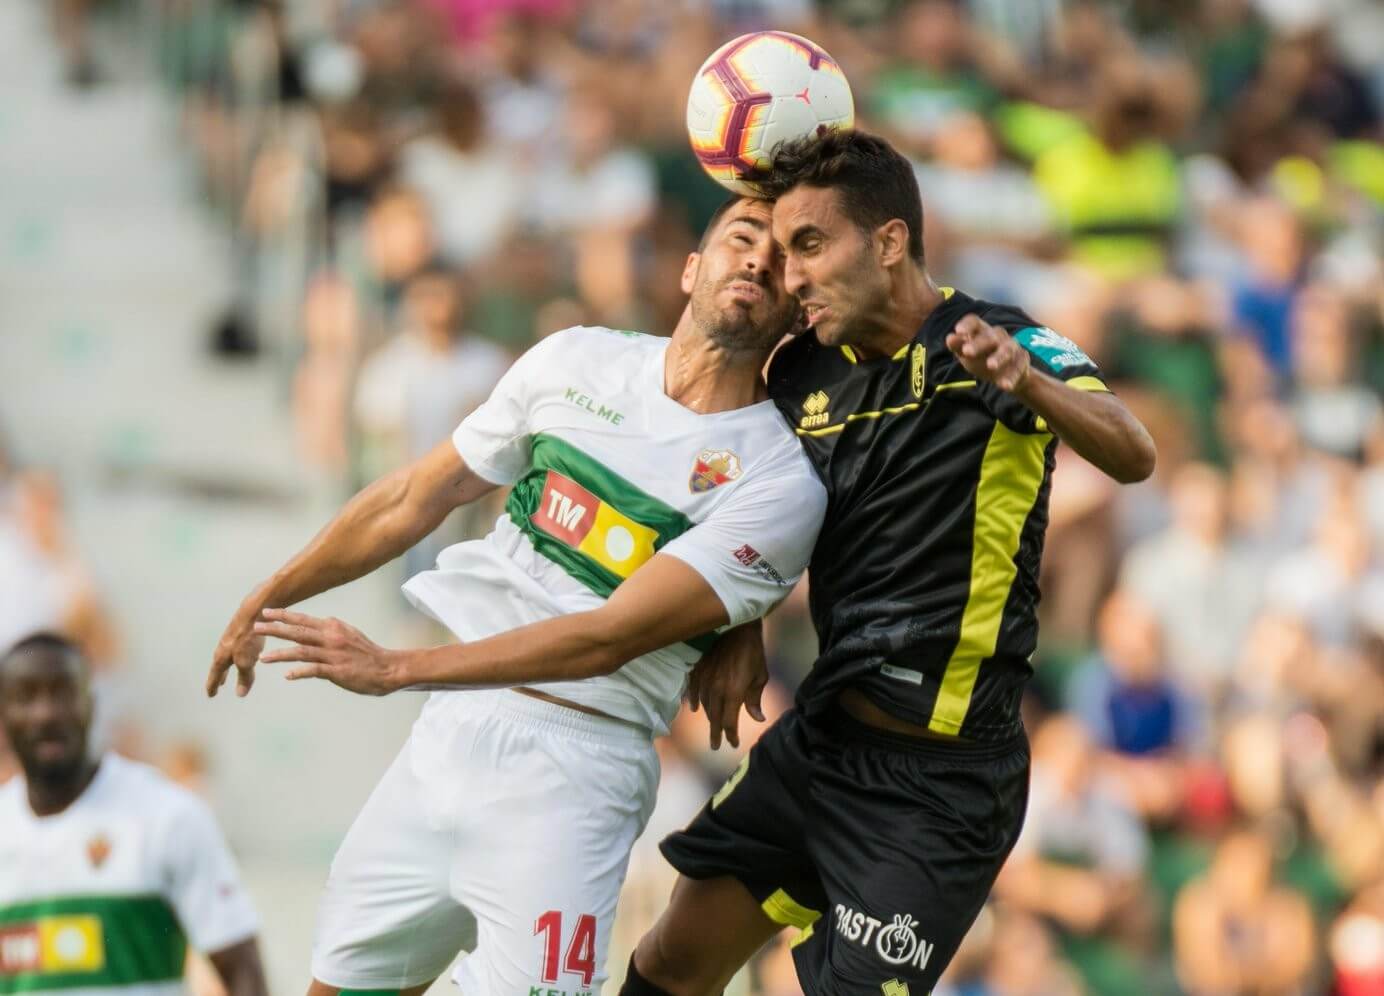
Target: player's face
<point>45,708</point>
<point>736,281</point>
<point>828,263</point>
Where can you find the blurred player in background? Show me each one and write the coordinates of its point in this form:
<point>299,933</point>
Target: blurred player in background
<point>876,815</point>
<point>108,871</point>
<point>658,496</point>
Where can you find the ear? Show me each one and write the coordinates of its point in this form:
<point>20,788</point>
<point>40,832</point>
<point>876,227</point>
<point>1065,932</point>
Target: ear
<point>689,271</point>
<point>891,242</point>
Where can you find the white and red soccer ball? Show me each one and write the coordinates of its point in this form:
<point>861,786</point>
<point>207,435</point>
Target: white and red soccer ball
<point>759,90</point>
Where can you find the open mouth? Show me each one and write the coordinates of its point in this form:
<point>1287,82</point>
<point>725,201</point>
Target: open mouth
<point>813,313</point>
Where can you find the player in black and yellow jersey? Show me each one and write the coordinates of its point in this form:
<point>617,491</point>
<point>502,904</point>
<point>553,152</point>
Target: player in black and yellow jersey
<point>876,814</point>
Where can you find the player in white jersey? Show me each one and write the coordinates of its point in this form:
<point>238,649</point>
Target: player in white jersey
<point>108,871</point>
<point>657,497</point>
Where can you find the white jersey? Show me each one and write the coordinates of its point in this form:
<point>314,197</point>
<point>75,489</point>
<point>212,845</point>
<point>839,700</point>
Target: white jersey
<point>607,471</point>
<point>104,897</point>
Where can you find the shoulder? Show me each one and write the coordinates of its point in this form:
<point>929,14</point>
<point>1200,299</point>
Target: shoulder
<point>136,784</point>
<point>11,793</point>
<point>783,466</point>
<point>1005,316</point>
<point>587,340</point>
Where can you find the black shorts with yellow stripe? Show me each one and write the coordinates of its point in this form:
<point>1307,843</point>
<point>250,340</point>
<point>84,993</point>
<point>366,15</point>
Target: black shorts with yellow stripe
<point>879,849</point>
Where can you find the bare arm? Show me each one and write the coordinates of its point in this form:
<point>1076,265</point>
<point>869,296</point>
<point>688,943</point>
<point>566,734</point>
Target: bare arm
<point>1097,425</point>
<point>663,603</point>
<point>240,969</point>
<point>1094,423</point>
<point>377,525</point>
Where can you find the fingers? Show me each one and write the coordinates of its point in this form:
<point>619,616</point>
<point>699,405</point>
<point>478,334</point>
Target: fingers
<point>753,698</point>
<point>713,719</point>
<point>694,687</point>
<point>293,618</point>
<point>296,652</point>
<point>309,671</point>
<point>297,632</point>
<point>969,325</point>
<point>730,717</point>
<point>244,680</point>
<point>216,677</point>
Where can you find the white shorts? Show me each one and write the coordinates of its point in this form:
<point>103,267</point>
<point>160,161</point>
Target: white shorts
<point>503,827</point>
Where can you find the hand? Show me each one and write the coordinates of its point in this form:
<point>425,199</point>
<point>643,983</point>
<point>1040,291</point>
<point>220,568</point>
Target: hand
<point>989,353</point>
<point>731,674</point>
<point>239,647</point>
<point>330,649</point>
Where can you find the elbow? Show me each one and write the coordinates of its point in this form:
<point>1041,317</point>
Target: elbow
<point>1139,458</point>
<point>1140,466</point>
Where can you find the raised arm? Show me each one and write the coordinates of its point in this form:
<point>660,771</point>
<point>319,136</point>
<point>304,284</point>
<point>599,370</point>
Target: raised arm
<point>1094,423</point>
<point>377,525</point>
<point>664,602</point>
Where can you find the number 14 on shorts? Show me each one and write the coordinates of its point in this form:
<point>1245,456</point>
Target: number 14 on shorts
<point>581,952</point>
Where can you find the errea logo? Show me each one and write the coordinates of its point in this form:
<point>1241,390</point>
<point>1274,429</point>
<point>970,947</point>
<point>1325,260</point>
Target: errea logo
<point>815,410</point>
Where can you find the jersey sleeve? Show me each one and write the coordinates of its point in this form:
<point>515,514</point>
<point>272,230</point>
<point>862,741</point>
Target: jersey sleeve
<point>202,880</point>
<point>1049,353</point>
<point>755,546</point>
<point>494,439</point>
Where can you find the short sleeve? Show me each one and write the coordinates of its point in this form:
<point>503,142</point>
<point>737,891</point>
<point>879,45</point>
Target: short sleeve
<point>494,438</point>
<point>753,548</point>
<point>203,882</point>
<point>1049,353</point>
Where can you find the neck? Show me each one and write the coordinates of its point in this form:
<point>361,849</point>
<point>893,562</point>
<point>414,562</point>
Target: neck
<point>706,377</point>
<point>912,297</point>
<point>50,796</point>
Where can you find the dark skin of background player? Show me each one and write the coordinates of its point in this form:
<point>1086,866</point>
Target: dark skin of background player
<point>45,709</point>
<point>866,291</point>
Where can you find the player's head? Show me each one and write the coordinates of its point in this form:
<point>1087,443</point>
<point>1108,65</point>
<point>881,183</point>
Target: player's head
<point>848,216</point>
<point>45,706</point>
<point>735,279</point>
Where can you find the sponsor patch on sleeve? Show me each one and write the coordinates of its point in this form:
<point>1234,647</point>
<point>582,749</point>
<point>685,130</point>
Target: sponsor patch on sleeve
<point>1057,351</point>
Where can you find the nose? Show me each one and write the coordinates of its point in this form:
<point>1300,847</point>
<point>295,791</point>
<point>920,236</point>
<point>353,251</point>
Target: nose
<point>794,279</point>
<point>758,260</point>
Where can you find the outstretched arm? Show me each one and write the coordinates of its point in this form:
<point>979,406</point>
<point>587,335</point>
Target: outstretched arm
<point>377,525</point>
<point>664,602</point>
<point>1096,424</point>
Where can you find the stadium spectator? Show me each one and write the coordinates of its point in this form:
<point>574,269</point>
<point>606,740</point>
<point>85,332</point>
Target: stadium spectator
<point>1200,581</point>
<point>1235,930</point>
<point>1116,187</point>
<point>472,189</point>
<point>415,389</point>
<point>1079,862</point>
<point>1143,721</point>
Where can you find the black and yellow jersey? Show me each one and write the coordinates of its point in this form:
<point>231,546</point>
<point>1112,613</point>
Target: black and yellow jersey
<point>924,581</point>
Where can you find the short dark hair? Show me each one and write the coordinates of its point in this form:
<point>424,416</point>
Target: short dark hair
<point>875,182</point>
<point>715,219</point>
<point>42,640</point>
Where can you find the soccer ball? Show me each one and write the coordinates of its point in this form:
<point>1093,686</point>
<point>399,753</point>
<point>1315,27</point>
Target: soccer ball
<point>759,90</point>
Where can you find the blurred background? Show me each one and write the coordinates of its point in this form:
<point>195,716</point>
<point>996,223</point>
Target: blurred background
<point>253,254</point>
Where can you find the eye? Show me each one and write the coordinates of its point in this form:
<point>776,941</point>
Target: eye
<point>740,238</point>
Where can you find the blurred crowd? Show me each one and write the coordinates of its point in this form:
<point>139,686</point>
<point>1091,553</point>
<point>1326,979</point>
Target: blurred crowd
<point>417,190</point>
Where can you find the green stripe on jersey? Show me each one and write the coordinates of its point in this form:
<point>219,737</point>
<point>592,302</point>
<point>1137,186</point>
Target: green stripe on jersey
<point>76,942</point>
<point>575,555</point>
